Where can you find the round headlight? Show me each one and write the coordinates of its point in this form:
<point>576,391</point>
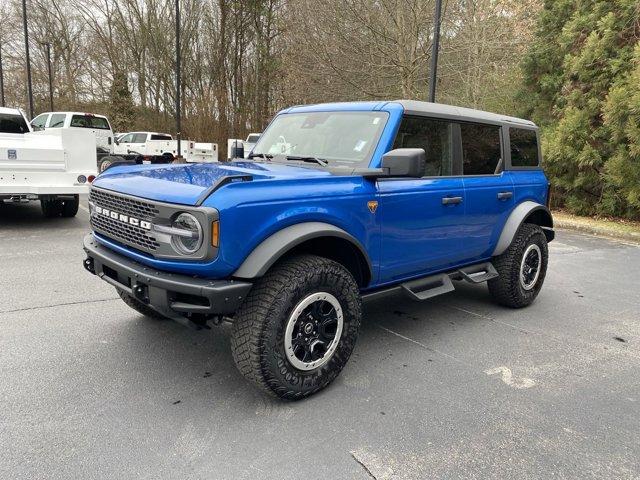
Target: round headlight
<point>191,240</point>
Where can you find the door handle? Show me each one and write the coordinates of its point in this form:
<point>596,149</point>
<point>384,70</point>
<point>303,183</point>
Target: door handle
<point>505,195</point>
<point>451,200</point>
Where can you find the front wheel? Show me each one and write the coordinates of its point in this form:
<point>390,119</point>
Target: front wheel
<point>522,268</point>
<point>298,326</point>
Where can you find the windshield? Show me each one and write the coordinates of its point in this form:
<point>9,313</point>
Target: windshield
<point>89,121</point>
<point>336,137</point>
<point>12,123</point>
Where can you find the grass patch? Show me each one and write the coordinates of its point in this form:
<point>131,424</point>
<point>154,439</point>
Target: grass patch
<point>611,227</point>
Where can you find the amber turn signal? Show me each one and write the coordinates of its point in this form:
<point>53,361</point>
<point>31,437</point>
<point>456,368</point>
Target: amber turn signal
<point>215,233</point>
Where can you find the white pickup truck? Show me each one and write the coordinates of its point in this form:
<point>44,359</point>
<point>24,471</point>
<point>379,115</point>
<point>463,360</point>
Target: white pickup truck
<point>54,166</point>
<point>153,147</point>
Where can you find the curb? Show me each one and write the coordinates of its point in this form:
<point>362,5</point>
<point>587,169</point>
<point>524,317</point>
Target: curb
<point>596,230</point>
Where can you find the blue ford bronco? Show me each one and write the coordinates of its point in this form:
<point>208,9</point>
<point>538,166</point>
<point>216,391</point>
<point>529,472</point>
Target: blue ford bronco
<point>337,204</point>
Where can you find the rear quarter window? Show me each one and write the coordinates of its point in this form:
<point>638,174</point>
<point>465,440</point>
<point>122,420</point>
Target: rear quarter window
<point>12,123</point>
<point>89,121</point>
<point>524,147</point>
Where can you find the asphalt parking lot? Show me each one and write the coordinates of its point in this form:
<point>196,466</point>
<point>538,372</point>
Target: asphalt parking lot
<point>455,387</point>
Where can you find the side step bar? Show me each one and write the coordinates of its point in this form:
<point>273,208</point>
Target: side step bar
<point>428,287</point>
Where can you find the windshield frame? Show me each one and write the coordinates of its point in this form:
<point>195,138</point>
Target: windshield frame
<point>294,157</point>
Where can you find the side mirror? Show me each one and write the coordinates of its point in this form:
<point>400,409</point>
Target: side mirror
<point>404,162</point>
<point>117,142</point>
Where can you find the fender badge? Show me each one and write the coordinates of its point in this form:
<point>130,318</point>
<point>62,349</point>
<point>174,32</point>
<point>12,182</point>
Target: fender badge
<point>373,205</point>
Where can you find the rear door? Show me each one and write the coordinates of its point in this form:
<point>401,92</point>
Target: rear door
<point>422,218</point>
<point>488,188</point>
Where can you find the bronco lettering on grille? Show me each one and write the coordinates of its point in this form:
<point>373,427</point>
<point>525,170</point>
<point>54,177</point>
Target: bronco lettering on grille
<point>136,222</point>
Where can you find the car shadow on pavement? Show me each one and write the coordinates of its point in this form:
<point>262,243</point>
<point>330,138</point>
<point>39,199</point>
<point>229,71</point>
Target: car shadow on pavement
<point>167,354</point>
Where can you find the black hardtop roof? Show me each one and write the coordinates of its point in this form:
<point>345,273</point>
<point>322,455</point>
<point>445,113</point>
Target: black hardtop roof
<point>440,110</point>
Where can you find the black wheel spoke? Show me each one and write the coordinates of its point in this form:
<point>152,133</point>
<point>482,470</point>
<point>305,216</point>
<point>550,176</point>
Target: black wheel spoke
<point>314,331</point>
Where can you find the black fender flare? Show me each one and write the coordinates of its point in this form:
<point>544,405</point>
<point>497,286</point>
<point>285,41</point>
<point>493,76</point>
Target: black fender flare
<point>517,217</point>
<point>275,246</point>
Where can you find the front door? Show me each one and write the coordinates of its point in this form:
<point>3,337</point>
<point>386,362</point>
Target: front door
<point>422,219</point>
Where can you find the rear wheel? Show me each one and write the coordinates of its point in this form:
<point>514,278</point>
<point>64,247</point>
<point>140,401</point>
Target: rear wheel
<point>106,162</point>
<point>297,328</point>
<point>69,206</point>
<point>522,268</point>
<point>51,206</point>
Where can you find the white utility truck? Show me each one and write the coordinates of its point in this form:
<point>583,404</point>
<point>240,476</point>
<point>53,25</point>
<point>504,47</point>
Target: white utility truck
<point>53,166</point>
<point>98,125</point>
<point>154,147</point>
<point>250,142</point>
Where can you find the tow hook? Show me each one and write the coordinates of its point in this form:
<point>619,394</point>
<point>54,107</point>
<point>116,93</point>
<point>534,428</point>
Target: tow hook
<point>140,292</point>
<point>88,265</point>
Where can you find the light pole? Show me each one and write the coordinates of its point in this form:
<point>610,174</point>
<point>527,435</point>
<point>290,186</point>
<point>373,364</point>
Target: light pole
<point>1,80</point>
<point>178,87</point>
<point>434,51</point>
<point>48,47</point>
<point>27,59</point>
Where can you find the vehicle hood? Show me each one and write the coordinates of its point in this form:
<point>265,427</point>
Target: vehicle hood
<point>187,183</point>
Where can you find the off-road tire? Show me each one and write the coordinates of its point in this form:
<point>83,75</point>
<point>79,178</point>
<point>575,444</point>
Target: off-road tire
<point>507,289</point>
<point>69,206</point>
<point>140,307</point>
<point>257,338</point>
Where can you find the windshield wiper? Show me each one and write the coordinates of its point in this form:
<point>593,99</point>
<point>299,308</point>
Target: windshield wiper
<point>317,160</point>
<point>265,156</point>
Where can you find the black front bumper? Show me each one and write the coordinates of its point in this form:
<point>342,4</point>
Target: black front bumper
<point>173,295</point>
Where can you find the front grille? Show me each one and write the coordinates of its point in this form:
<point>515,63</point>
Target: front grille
<point>128,206</point>
<point>129,234</point>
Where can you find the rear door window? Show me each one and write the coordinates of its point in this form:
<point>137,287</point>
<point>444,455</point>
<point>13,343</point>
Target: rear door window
<point>139,138</point>
<point>158,136</point>
<point>524,147</point>
<point>435,137</point>
<point>89,121</point>
<point>57,120</point>
<point>481,153</point>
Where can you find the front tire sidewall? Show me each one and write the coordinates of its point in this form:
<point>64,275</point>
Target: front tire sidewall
<point>259,328</point>
<point>278,365</point>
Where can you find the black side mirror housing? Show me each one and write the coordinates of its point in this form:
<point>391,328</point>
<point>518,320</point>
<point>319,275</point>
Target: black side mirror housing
<point>404,162</point>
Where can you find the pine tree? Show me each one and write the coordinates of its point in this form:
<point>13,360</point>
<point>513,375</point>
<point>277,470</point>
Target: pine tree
<point>580,81</point>
<point>121,108</point>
